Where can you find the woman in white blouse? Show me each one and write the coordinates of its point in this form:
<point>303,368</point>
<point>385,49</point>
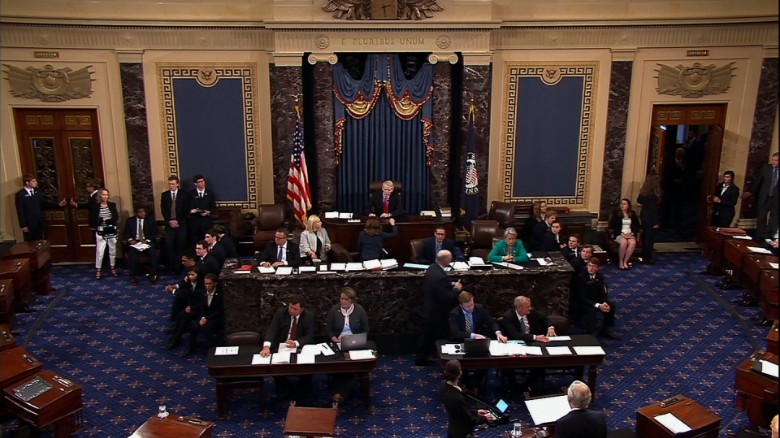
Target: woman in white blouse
<point>315,242</point>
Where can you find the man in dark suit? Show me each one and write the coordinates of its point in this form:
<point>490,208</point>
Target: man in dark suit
<point>294,327</point>
<point>226,242</point>
<point>191,311</point>
<point>553,241</point>
<point>440,294</point>
<point>211,313</point>
<point>522,323</point>
<point>472,321</point>
<point>30,204</point>
<point>387,203</point>
<point>203,206</point>
<point>542,228</point>
<point>140,229</point>
<point>174,204</point>
<point>181,291</point>
<point>93,194</point>
<point>572,249</point>
<point>282,253</point>
<point>215,249</point>
<point>724,201</point>
<point>439,241</point>
<point>589,299</point>
<point>580,422</point>
<point>207,263</point>
<point>580,263</point>
<point>765,189</point>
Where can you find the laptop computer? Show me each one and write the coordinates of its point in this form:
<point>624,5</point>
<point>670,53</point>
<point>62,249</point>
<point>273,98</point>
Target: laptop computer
<point>476,347</point>
<point>354,342</point>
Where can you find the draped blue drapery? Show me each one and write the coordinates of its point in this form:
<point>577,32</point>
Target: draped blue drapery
<point>383,131</point>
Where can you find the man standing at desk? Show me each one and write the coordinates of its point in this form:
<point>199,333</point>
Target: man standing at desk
<point>581,422</point>
<point>432,246</point>
<point>440,295</point>
<point>294,327</point>
<point>387,204</point>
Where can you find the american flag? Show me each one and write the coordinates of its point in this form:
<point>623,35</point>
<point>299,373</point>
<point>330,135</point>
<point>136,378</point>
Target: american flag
<point>298,179</point>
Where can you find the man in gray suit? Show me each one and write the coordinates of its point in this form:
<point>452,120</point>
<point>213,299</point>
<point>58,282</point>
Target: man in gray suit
<point>765,189</point>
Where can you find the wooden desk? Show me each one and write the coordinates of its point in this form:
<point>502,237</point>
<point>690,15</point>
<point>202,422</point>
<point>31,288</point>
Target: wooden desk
<point>59,407</point>
<point>712,248</point>
<point>237,371</point>
<point>734,253</point>
<point>7,304</point>
<point>17,365</point>
<point>768,293</point>
<point>755,391</point>
<point>544,360</point>
<point>174,426</point>
<point>20,272</point>
<point>346,234</point>
<point>38,252</point>
<point>310,422</point>
<point>752,266</point>
<point>7,339</point>
<point>771,339</point>
<point>702,422</point>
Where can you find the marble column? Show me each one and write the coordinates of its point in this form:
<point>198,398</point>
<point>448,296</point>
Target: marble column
<point>327,175</point>
<point>443,130</point>
<point>286,83</point>
<point>134,103</point>
<point>477,84</point>
<point>761,135</point>
<point>615,144</point>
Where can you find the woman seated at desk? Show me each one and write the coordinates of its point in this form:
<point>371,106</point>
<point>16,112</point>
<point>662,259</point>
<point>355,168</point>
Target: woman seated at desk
<point>508,250</point>
<point>345,318</point>
<point>315,242</point>
<point>372,238</point>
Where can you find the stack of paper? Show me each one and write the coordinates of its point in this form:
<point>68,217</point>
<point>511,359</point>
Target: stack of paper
<point>460,266</point>
<point>307,269</point>
<point>769,368</point>
<point>671,422</point>
<point>345,215</point>
<point>361,354</point>
<point>304,358</point>
<point>284,270</point>
<point>389,264</point>
<point>338,266</point>
<point>264,270</point>
<point>280,358</point>
<point>354,266</point>
<point>260,360</point>
<point>370,264</point>
<point>415,266</point>
<point>547,409</point>
<point>760,250</point>
<point>589,350</point>
<point>477,261</point>
<point>226,351</point>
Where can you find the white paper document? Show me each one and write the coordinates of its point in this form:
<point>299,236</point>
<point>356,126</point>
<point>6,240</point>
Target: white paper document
<point>558,351</point>
<point>304,358</point>
<point>760,250</point>
<point>331,215</point>
<point>530,350</point>
<point>743,237</point>
<point>284,270</point>
<point>589,350</point>
<point>264,270</point>
<point>452,349</point>
<point>543,261</point>
<point>671,422</point>
<point>389,264</point>
<point>313,349</point>
<point>226,351</point>
<point>460,266</point>
<point>280,357</point>
<point>769,368</point>
<point>559,338</point>
<point>258,359</point>
<point>547,409</point>
<point>509,265</point>
<point>354,266</point>
<point>345,215</point>
<point>338,266</point>
<point>477,261</point>
<point>368,264</point>
<point>508,349</point>
<point>415,266</point>
<point>140,246</point>
<point>774,265</point>
<point>326,350</point>
<point>361,354</point>
<point>307,269</point>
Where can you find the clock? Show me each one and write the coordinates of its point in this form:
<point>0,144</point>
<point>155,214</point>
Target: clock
<point>384,10</point>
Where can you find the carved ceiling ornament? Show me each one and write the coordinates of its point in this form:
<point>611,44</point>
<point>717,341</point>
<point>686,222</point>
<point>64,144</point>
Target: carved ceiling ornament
<point>49,84</point>
<point>382,9</point>
<point>694,81</point>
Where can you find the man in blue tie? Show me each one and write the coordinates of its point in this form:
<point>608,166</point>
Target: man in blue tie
<point>281,252</point>
<point>439,241</point>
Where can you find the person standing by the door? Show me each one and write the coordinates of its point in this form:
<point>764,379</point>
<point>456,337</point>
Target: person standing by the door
<point>30,204</point>
<point>765,189</point>
<point>175,207</point>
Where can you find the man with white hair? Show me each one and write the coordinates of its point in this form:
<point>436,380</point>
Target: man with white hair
<point>581,422</point>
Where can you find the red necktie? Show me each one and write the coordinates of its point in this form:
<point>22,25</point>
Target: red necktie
<point>294,329</point>
<point>386,208</point>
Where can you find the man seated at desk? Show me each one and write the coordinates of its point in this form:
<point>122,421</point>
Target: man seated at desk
<point>523,323</point>
<point>387,204</point>
<point>439,241</point>
<point>281,253</point>
<point>294,327</point>
<point>580,421</point>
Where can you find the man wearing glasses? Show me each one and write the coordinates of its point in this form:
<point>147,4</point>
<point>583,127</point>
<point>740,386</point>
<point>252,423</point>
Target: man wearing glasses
<point>282,252</point>
<point>439,241</point>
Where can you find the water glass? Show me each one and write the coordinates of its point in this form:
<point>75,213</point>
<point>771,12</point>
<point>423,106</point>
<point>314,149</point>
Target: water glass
<point>163,411</point>
<point>517,430</point>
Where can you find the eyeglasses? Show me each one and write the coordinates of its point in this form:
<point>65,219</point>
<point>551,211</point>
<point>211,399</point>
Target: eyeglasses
<point>280,237</point>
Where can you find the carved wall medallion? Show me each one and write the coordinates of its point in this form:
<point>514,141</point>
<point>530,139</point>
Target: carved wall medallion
<point>694,81</point>
<point>443,41</point>
<point>49,84</point>
<point>207,77</point>
<point>382,9</point>
<point>321,41</point>
<point>551,75</point>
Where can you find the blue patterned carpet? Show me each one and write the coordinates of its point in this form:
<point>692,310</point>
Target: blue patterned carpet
<point>109,337</point>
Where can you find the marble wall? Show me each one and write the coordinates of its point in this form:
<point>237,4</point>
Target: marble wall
<point>477,84</point>
<point>763,126</point>
<point>325,191</point>
<point>443,129</point>
<point>137,136</point>
<point>615,144</point>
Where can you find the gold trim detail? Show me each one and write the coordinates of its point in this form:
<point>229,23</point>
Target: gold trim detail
<point>694,81</point>
<point>207,75</point>
<point>49,84</point>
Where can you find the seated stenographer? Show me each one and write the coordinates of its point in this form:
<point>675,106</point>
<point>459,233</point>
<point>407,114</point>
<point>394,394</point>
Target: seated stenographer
<point>345,318</point>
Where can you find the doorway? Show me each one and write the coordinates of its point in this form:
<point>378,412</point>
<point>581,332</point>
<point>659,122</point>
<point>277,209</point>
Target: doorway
<point>61,148</point>
<point>685,150</point>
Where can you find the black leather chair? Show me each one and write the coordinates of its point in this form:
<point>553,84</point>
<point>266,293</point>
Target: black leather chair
<point>503,212</point>
<point>416,246</point>
<point>482,233</point>
<point>269,218</point>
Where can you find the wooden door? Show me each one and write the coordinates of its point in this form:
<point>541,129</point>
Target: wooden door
<point>61,148</point>
<point>655,163</point>
<point>710,177</point>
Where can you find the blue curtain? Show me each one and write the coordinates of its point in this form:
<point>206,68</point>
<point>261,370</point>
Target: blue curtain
<point>383,131</point>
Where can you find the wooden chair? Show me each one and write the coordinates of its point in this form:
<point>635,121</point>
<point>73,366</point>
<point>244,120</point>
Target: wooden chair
<point>269,218</point>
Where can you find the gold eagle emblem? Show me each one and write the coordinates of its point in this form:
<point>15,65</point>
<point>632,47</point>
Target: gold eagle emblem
<point>49,84</point>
